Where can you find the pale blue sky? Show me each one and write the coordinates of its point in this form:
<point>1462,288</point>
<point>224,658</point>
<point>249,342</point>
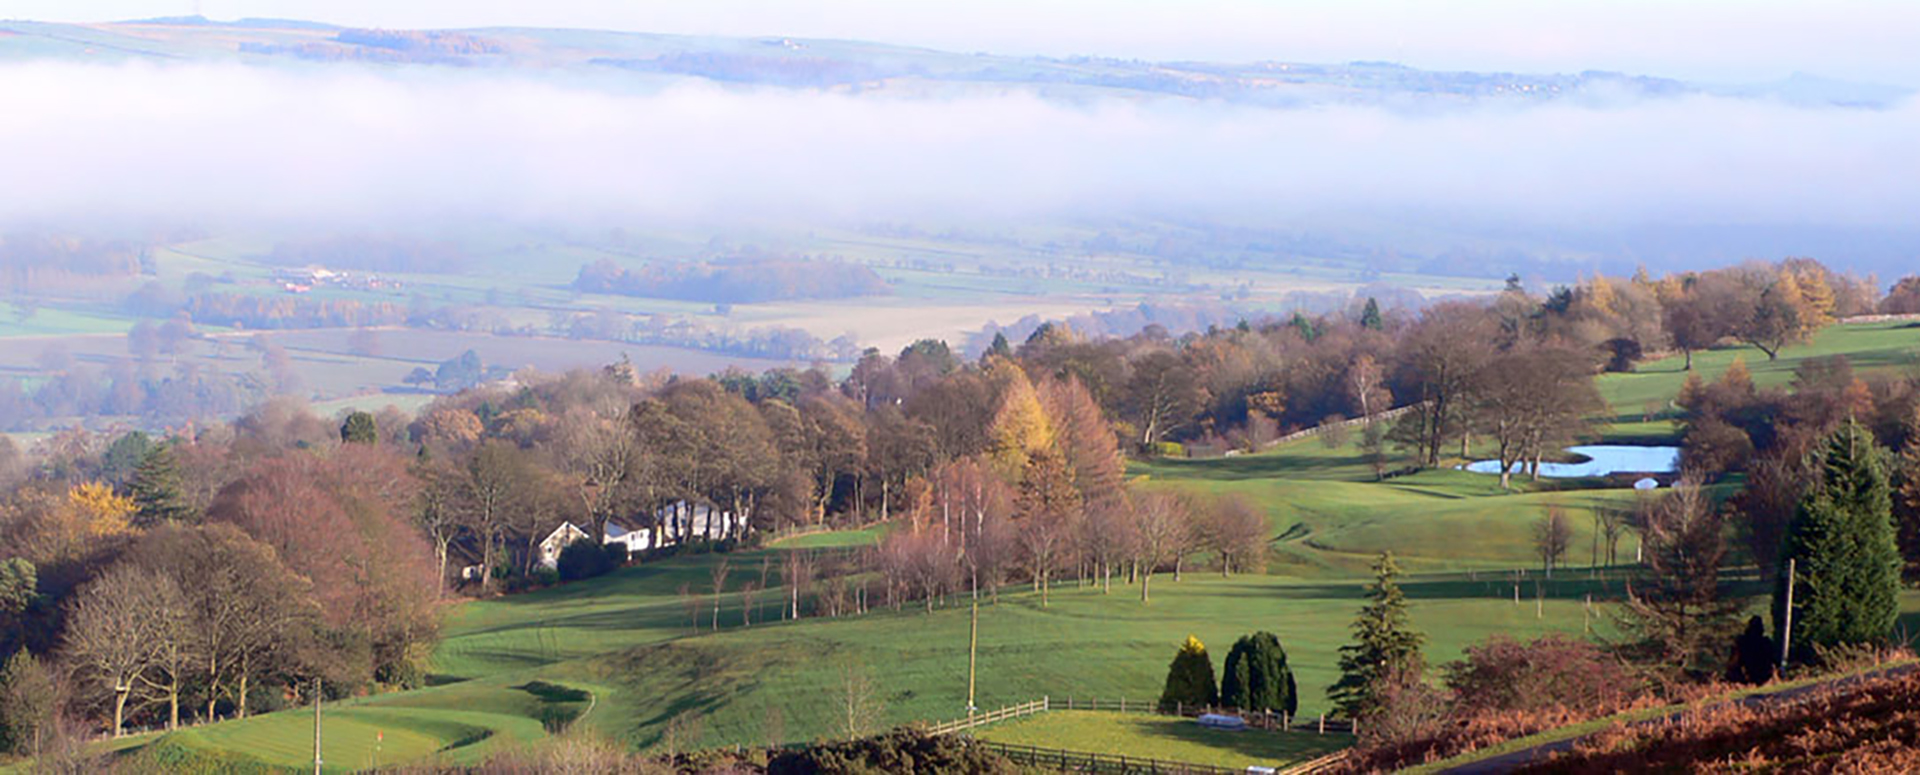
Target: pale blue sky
<point>1702,39</point>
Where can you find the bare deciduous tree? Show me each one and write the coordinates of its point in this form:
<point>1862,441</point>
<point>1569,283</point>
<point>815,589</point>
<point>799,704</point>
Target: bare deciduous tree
<point>118,632</point>
<point>1551,536</point>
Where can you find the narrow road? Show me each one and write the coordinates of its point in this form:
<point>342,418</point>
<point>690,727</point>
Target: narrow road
<point>1513,760</point>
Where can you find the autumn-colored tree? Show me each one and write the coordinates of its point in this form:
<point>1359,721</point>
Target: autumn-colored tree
<point>344,522</point>
<point>1020,428</point>
<point>1085,439</point>
<point>1048,508</point>
<point>1162,396</point>
<point>1163,526</point>
<point>1675,617</point>
<point>1235,530</point>
<point>1530,399</point>
<point>1436,366</point>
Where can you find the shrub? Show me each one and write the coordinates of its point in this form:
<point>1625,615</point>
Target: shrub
<point>1189,678</point>
<point>1257,677</point>
<point>901,750</point>
<point>583,560</point>
<point>1503,674</point>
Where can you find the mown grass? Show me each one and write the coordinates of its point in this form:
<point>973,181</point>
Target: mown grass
<point>1870,347</point>
<point>1166,738</point>
<point>630,641</point>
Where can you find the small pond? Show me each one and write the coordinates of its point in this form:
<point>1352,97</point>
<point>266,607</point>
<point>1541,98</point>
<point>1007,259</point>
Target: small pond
<point>1600,460</point>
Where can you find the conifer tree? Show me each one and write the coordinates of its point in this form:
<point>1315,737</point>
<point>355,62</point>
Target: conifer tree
<point>1257,677</point>
<point>1384,641</point>
<point>360,428</point>
<point>1370,315</point>
<point>158,493</point>
<point>1189,678</point>
<point>1843,544</point>
<point>1906,500</point>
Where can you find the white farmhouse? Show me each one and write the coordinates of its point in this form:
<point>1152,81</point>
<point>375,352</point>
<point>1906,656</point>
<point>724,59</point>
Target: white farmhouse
<point>551,546</point>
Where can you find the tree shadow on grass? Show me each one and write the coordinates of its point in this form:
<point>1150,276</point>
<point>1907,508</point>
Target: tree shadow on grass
<point>1273,747</point>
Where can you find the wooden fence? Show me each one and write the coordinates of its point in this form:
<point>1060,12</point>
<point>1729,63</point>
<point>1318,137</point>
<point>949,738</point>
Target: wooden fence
<point>1386,416</point>
<point>1097,763</point>
<point>980,719</point>
<point>1260,719</point>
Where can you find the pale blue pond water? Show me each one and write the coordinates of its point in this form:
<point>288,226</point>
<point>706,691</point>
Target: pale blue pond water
<point>1601,460</point>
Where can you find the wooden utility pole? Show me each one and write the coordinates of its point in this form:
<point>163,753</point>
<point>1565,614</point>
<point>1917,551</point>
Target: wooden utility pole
<point>973,646</point>
<point>316,726</point>
<point>1786,624</point>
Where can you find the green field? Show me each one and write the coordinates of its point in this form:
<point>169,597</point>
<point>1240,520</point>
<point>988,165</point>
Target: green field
<point>1885,346</point>
<point>1166,738</point>
<point>630,641</point>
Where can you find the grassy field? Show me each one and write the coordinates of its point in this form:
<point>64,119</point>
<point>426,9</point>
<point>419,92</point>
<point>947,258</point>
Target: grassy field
<point>1162,737</point>
<point>1871,347</point>
<point>646,658</point>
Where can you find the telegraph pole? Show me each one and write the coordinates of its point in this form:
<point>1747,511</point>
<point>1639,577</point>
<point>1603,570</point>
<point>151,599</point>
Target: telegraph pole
<point>973,644</point>
<point>316,726</point>
<point>1786,624</point>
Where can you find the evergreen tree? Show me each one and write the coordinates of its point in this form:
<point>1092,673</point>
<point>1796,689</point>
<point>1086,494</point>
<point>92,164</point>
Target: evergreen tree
<point>1370,315</point>
<point>1384,641</point>
<point>159,496</point>
<point>360,429</point>
<point>124,455</point>
<point>1257,676</point>
<point>1842,541</point>
<point>1000,347</point>
<point>1906,501</point>
<point>1303,326</point>
<point>1189,678</point>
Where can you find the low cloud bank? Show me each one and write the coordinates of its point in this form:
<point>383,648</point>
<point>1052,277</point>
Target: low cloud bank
<point>333,144</point>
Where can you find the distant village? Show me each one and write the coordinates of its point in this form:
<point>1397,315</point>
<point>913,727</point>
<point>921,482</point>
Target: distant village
<point>305,279</point>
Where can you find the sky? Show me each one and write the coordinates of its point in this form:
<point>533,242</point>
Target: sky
<point>1720,40</point>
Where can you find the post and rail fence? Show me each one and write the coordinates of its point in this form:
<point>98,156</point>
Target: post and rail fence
<point>1261,719</point>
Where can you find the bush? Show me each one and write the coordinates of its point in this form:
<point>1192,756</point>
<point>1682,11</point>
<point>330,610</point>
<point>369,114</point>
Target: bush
<point>583,560</point>
<point>1257,677</point>
<point>1189,678</point>
<point>1555,671</point>
<point>901,750</point>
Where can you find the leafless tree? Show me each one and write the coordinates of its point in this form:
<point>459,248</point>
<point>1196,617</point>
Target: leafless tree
<point>1551,535</point>
<point>1235,530</point>
<point>1163,527</point>
<point>120,629</point>
<point>860,702</point>
<point>719,575</point>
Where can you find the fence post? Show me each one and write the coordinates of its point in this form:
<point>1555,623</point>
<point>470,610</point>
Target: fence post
<point>1179,708</point>
<point>1323,722</point>
<point>1044,703</point>
<point>1123,703</point>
